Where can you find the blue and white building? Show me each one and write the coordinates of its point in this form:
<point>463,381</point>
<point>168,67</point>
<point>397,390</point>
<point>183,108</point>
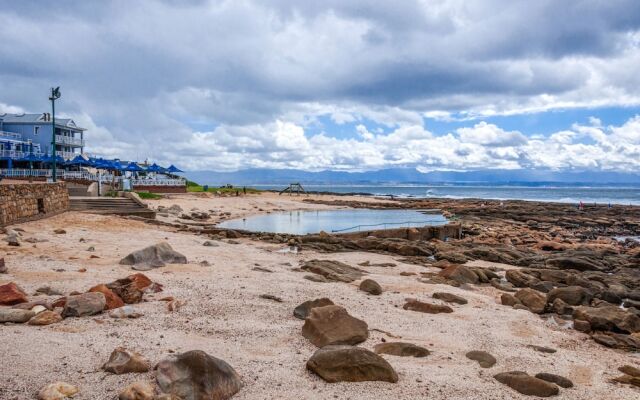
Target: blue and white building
<point>24,134</point>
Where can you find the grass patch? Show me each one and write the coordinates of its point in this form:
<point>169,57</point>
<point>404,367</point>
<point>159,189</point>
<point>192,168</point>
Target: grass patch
<point>149,195</point>
<point>194,187</point>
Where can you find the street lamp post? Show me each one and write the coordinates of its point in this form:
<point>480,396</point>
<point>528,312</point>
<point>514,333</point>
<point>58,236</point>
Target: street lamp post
<point>55,94</point>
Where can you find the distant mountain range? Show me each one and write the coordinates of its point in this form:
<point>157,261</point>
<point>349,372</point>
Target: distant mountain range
<point>412,176</point>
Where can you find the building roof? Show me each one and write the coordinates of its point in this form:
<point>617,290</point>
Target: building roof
<point>38,119</point>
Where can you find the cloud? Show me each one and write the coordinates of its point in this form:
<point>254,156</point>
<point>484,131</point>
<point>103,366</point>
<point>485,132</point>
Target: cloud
<point>220,84</point>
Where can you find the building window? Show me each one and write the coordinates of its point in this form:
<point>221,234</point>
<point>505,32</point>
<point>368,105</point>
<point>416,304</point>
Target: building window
<point>36,130</point>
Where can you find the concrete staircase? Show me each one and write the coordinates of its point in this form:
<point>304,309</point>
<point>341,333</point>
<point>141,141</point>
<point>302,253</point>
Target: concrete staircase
<point>110,205</point>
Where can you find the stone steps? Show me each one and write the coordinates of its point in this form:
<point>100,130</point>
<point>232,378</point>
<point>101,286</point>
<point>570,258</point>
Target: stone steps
<point>109,205</point>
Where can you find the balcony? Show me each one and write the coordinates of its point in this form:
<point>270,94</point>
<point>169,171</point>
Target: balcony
<point>67,155</point>
<point>69,141</point>
<point>16,154</point>
<point>10,135</point>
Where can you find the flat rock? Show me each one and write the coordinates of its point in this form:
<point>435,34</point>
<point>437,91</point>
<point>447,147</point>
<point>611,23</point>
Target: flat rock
<point>508,299</point>
<point>449,298</point>
<point>520,279</point>
<point>543,349</point>
<point>316,278</point>
<point>45,318</point>
<point>15,315</point>
<point>341,363</point>
<point>84,304</point>
<point>370,286</point>
<point>483,358</point>
<point>557,379</point>
<point>532,299</point>
<point>304,309</point>
<point>415,305</point>
<point>57,391</point>
<point>140,390</point>
<point>572,295</point>
<point>459,273</point>
<point>195,375</point>
<point>401,349</point>
<point>125,312</point>
<point>608,318</point>
<point>627,380</point>
<point>155,256</point>
<point>124,361</point>
<point>333,270</point>
<point>333,325</point>
<point>11,294</point>
<point>630,370</point>
<point>526,384</point>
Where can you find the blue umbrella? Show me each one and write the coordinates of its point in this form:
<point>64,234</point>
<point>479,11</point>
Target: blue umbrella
<point>31,158</point>
<point>114,165</point>
<point>133,167</point>
<point>155,168</point>
<point>49,160</point>
<point>172,168</point>
<point>81,161</point>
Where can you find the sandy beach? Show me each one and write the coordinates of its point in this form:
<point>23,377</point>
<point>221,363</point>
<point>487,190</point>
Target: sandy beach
<point>223,314</point>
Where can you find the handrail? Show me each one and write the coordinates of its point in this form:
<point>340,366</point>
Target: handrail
<point>424,223</point>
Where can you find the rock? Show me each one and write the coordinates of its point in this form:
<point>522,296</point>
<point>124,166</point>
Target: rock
<point>45,318</point>
<point>449,298</point>
<point>140,390</point>
<point>459,273</point>
<point>560,307</point>
<point>370,286</point>
<point>124,361</point>
<point>617,341</point>
<point>609,318</point>
<point>13,239</point>
<point>3,266</point>
<point>628,380</point>
<point>112,299</point>
<point>304,309</point>
<point>401,349</point>
<point>84,304</point>
<point>572,295</point>
<point>140,281</point>
<point>271,297</point>
<point>557,379</point>
<point>527,385</point>
<point>520,279</point>
<point>195,375</point>
<point>15,315</point>
<point>350,364</point>
<point>316,278</point>
<point>532,299</point>
<point>209,243</point>
<point>333,270</point>
<point>333,325</point>
<point>11,294</point>
<point>576,263</point>
<point>47,290</point>
<point>415,305</point>
<point>630,370</point>
<point>57,391</point>
<point>543,286</point>
<point>127,289</point>
<point>507,287</point>
<point>509,300</point>
<point>582,326</point>
<point>483,358</point>
<point>543,349</point>
<point>125,312</point>
<point>155,256</point>
<point>59,231</point>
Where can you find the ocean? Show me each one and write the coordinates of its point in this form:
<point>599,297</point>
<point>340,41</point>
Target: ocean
<point>564,194</point>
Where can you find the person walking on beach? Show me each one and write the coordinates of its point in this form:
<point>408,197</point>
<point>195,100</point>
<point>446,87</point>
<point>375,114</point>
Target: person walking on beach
<point>244,190</point>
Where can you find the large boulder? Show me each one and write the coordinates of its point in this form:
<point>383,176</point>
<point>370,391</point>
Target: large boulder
<point>532,299</point>
<point>350,364</point>
<point>195,375</point>
<point>459,274</point>
<point>304,309</point>
<point>415,305</point>
<point>401,349</point>
<point>15,315</point>
<point>84,304</point>
<point>526,384</point>
<point>155,256</point>
<point>112,299</point>
<point>370,286</point>
<point>333,270</point>
<point>572,295</point>
<point>124,361</point>
<point>11,294</point>
<point>333,325</point>
<point>608,318</point>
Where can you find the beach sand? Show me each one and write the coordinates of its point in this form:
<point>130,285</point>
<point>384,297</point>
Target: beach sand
<point>225,317</point>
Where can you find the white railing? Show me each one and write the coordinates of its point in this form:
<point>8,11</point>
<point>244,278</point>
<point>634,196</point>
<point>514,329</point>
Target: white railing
<point>67,155</point>
<point>61,139</point>
<point>158,182</point>
<point>14,154</point>
<point>11,135</point>
<point>62,174</point>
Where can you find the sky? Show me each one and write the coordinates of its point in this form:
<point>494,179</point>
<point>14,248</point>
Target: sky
<point>341,85</point>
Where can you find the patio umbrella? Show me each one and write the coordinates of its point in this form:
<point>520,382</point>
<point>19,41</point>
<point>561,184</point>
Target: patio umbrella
<point>155,168</point>
<point>80,161</point>
<point>31,158</point>
<point>133,167</point>
<point>49,160</point>
<point>172,168</point>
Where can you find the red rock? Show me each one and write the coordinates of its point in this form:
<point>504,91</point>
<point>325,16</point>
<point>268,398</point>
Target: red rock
<point>59,302</point>
<point>113,300</point>
<point>11,294</point>
<point>140,281</point>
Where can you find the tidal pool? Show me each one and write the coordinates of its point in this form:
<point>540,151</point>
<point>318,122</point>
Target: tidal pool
<point>334,221</point>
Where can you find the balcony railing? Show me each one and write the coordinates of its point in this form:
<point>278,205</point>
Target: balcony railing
<point>10,135</point>
<point>69,140</point>
<point>62,174</point>
<point>15,154</point>
<point>66,154</point>
<point>158,182</point>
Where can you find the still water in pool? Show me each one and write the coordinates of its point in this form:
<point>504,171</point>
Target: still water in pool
<point>303,222</point>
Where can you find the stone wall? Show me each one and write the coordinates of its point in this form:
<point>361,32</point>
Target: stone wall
<point>26,201</point>
<point>448,231</point>
<point>161,189</point>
